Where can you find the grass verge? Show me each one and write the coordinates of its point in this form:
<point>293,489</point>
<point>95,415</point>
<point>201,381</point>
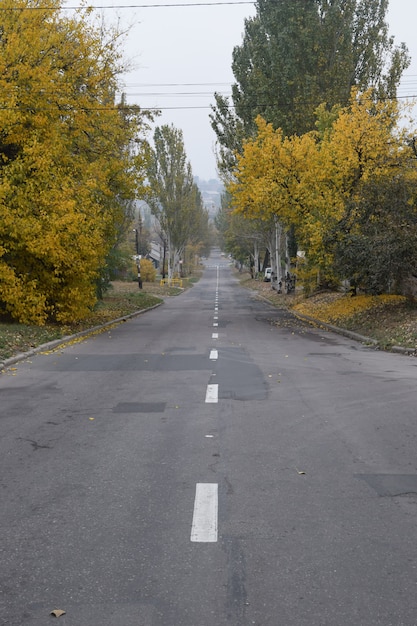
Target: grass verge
<point>390,320</point>
<point>122,299</point>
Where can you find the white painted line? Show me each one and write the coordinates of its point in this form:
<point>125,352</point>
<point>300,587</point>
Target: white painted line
<point>215,335</point>
<point>215,323</point>
<point>206,505</point>
<point>216,317</point>
<point>214,355</point>
<point>212,394</point>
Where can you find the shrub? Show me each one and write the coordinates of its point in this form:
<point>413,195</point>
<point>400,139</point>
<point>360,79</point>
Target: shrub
<point>147,271</point>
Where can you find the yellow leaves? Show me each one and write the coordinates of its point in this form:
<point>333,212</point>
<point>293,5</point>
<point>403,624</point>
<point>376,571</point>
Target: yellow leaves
<point>267,178</point>
<point>147,270</point>
<point>21,297</point>
<point>66,161</point>
<point>333,308</point>
<point>306,181</point>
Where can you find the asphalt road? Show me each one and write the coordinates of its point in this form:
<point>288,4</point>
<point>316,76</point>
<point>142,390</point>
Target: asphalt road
<point>212,462</point>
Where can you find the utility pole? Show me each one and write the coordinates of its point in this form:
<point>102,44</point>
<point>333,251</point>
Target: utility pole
<point>138,257</point>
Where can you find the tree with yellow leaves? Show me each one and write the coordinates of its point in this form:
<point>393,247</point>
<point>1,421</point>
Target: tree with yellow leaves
<point>372,239</point>
<point>324,185</point>
<point>267,185</point>
<point>67,168</point>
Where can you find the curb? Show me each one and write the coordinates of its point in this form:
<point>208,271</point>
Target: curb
<point>340,331</point>
<point>356,336</point>
<point>50,345</point>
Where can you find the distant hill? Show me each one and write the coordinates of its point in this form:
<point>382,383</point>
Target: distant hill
<point>211,191</point>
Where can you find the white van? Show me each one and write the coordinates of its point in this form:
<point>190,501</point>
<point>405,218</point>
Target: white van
<point>268,273</point>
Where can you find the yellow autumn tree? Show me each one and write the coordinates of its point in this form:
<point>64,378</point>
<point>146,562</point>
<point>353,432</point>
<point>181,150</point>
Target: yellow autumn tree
<point>362,145</point>
<point>368,158</point>
<point>312,182</point>
<point>267,179</point>
<point>267,184</point>
<point>67,167</point>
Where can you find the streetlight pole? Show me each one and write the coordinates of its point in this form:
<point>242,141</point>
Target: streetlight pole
<point>138,257</point>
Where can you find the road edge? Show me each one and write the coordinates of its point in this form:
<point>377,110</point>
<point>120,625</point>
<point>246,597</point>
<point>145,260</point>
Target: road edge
<point>56,343</point>
<point>369,341</point>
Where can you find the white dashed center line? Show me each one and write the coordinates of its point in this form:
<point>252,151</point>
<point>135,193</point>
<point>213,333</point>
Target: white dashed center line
<point>212,394</point>
<point>214,355</point>
<point>204,526</point>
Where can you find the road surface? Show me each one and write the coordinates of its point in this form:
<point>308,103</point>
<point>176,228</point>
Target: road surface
<point>212,462</point>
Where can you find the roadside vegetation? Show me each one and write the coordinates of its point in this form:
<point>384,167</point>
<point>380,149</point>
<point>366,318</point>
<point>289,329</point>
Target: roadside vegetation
<point>121,299</point>
<point>76,169</point>
<point>320,173</point>
<point>391,320</point>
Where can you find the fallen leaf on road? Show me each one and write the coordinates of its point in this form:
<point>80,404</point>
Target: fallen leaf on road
<point>300,472</point>
<point>58,612</point>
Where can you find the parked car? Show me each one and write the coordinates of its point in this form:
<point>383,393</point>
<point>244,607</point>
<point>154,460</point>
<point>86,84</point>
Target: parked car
<point>268,274</point>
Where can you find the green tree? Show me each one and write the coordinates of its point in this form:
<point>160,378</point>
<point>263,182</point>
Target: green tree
<point>244,238</point>
<point>173,196</point>
<point>375,243</point>
<point>296,55</point>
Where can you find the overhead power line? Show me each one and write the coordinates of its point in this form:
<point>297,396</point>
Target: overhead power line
<point>129,106</point>
<point>131,85</point>
<point>129,6</point>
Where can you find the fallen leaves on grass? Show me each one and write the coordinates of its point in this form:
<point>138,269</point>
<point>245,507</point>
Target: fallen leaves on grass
<point>335,307</point>
<point>390,319</point>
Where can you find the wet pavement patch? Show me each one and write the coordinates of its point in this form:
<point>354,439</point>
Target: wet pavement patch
<point>239,377</point>
<point>139,407</point>
<point>126,362</point>
<point>390,485</point>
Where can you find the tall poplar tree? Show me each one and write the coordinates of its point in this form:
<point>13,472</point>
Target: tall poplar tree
<point>298,54</point>
<point>173,196</point>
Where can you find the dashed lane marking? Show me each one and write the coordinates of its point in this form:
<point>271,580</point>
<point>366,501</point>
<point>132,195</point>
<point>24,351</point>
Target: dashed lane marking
<point>212,394</point>
<point>204,525</point>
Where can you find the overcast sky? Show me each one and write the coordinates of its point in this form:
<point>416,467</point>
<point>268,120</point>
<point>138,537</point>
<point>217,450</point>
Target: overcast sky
<point>182,55</point>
